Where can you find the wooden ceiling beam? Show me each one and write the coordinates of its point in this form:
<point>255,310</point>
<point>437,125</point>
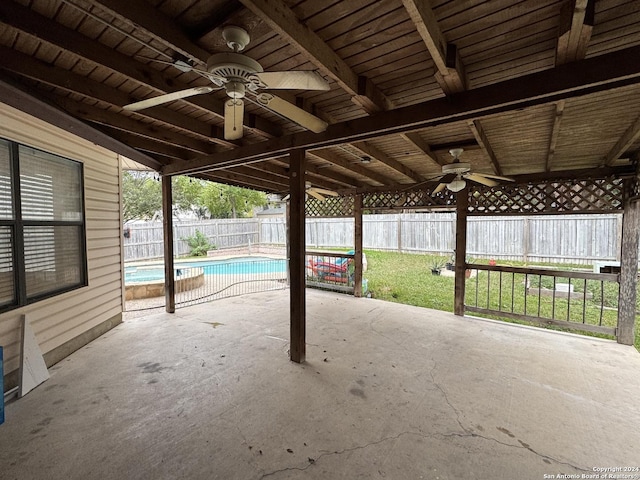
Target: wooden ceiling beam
<point>478,132</point>
<point>127,124</point>
<point>150,21</point>
<point>604,72</point>
<point>254,172</point>
<point>450,73</point>
<point>626,171</point>
<point>146,144</point>
<point>30,67</point>
<point>15,97</point>
<point>416,140</point>
<point>352,167</point>
<point>271,168</point>
<point>624,142</point>
<point>622,171</point>
<point>555,131</point>
<point>333,176</point>
<point>215,19</point>
<point>239,180</point>
<point>324,173</point>
<point>577,18</point>
<point>285,23</point>
<point>370,150</point>
<point>51,32</point>
<point>284,173</point>
<point>321,182</point>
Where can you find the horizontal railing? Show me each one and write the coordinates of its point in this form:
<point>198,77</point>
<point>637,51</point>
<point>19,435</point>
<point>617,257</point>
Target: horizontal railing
<point>573,299</point>
<point>330,270</point>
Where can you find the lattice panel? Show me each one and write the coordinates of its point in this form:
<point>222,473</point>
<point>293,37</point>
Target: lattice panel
<point>634,188</point>
<point>329,207</point>
<point>563,196</point>
<point>407,199</point>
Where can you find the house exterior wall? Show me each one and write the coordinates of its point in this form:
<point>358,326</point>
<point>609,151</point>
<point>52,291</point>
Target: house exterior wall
<point>64,323</point>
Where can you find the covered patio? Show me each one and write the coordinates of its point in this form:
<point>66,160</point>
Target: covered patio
<point>387,391</point>
<point>541,102</point>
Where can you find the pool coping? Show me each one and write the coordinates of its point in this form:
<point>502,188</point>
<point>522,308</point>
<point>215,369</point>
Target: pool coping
<point>139,263</point>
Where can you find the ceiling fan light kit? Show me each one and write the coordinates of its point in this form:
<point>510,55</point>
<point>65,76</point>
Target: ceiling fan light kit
<point>457,185</point>
<point>458,173</point>
<point>241,75</point>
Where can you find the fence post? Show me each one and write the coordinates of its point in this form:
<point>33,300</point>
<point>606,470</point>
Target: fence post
<point>399,227</point>
<point>526,233</point>
<point>315,233</point>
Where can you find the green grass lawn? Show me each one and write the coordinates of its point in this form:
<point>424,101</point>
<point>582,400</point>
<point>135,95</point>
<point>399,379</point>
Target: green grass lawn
<point>407,278</point>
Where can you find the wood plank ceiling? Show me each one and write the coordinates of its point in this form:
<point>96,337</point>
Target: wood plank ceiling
<point>525,87</point>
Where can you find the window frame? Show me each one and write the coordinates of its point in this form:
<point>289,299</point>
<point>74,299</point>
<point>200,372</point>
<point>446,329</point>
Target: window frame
<point>17,226</point>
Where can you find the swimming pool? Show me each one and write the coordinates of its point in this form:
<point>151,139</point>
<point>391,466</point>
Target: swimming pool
<point>232,266</point>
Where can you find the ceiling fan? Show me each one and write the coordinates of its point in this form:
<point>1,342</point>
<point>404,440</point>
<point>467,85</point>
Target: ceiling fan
<point>454,176</point>
<point>241,75</point>
<point>319,193</point>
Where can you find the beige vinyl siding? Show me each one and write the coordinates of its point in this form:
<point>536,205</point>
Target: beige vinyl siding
<point>64,317</point>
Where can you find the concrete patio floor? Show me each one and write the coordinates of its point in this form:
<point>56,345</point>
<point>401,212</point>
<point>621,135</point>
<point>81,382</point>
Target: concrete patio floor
<point>388,391</point>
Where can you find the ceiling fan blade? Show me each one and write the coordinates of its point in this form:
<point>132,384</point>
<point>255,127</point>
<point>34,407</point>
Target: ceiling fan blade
<point>476,177</point>
<point>294,80</point>
<point>233,118</point>
<point>290,111</point>
<point>169,97</point>
<point>497,177</point>
<point>439,188</point>
<point>315,194</point>
<point>324,191</point>
<point>448,178</point>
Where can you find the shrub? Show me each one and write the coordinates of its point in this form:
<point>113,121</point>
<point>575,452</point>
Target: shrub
<point>199,244</point>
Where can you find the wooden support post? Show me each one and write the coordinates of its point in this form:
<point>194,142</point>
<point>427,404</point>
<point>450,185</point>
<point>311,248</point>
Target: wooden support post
<point>462,202</point>
<point>167,225</point>
<point>297,247</point>
<point>628,272</point>
<point>357,235</point>
<point>287,236</point>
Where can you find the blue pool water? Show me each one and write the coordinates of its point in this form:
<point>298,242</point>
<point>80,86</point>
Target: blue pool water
<point>235,266</point>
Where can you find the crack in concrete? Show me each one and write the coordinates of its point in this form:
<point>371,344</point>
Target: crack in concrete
<point>521,446</point>
<point>446,398</point>
<point>467,433</point>
<point>372,321</point>
<point>340,452</point>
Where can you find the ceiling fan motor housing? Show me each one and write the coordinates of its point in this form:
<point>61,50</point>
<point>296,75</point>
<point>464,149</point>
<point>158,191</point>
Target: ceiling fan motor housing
<point>235,68</point>
<point>457,168</point>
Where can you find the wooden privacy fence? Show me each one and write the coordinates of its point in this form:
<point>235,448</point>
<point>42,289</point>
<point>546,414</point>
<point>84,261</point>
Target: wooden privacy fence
<point>144,240</point>
<point>580,239</point>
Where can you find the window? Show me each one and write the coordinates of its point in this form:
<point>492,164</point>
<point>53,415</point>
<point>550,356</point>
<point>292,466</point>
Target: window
<point>42,225</point>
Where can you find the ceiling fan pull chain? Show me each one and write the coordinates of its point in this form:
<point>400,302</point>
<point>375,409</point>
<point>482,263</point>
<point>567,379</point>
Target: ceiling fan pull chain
<point>235,104</point>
